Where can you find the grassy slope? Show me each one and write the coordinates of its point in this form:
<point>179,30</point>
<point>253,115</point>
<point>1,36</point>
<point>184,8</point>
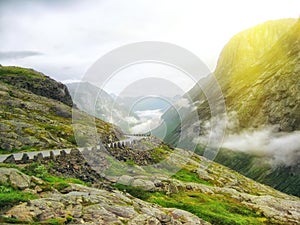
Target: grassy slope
<point>33,122</point>
<point>219,200</point>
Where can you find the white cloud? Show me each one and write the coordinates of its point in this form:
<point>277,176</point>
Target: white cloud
<point>149,114</point>
<point>183,103</point>
<point>131,120</point>
<point>149,119</point>
<point>73,34</point>
<point>279,147</point>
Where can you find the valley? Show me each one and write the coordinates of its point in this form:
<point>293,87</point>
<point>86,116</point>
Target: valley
<point>74,154</point>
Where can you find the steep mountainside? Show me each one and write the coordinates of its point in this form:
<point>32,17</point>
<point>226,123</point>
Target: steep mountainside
<point>36,113</point>
<point>258,72</point>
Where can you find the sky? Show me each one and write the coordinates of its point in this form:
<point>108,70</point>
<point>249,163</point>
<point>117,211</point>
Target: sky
<point>63,39</point>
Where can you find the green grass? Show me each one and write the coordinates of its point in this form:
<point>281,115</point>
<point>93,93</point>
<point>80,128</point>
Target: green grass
<point>11,70</point>
<point>188,176</point>
<point>24,148</point>
<point>10,196</point>
<point>7,165</point>
<point>54,221</point>
<point>130,162</point>
<point>116,167</point>
<point>216,209</point>
<point>160,153</point>
<point>212,208</point>
<point>135,191</point>
<point>59,183</point>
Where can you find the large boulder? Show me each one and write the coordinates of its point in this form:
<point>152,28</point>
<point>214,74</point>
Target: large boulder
<point>15,178</point>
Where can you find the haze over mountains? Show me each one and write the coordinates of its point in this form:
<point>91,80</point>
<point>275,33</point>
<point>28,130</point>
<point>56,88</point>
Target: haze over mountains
<point>133,114</point>
<point>258,73</point>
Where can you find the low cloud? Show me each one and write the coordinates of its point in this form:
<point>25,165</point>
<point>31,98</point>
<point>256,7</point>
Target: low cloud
<point>281,148</point>
<point>278,147</point>
<point>9,55</point>
<point>183,103</point>
<point>149,119</point>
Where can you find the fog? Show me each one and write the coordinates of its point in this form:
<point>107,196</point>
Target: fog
<point>148,120</point>
<point>281,148</point>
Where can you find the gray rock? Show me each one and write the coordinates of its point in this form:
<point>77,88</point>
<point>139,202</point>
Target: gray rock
<point>94,206</point>
<point>144,220</point>
<point>6,146</point>
<point>10,159</point>
<point>186,217</point>
<point>25,158</point>
<point>125,179</point>
<point>144,184</point>
<point>15,178</point>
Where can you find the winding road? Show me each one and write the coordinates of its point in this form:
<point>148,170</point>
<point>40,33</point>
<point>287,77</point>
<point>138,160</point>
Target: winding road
<point>18,155</point>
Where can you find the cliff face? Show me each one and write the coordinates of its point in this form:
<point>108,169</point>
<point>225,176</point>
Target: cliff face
<point>36,113</point>
<point>258,71</point>
<point>36,83</point>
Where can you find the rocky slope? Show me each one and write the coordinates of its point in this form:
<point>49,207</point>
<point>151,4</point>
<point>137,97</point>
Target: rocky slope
<point>36,113</point>
<point>201,192</point>
<point>36,83</point>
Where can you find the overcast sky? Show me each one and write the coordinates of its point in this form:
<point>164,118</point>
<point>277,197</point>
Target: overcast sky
<point>63,38</point>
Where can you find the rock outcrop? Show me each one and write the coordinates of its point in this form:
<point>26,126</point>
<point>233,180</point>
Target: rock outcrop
<point>84,205</point>
<point>36,83</point>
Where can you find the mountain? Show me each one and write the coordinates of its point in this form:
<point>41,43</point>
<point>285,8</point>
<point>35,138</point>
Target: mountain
<point>146,182</point>
<point>36,83</point>
<point>97,102</point>
<point>258,73</point>
<point>130,113</point>
<point>36,113</point>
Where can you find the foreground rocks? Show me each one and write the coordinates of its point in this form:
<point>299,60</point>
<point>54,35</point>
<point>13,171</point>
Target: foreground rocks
<point>15,178</point>
<point>85,205</point>
<point>277,207</point>
<point>77,204</point>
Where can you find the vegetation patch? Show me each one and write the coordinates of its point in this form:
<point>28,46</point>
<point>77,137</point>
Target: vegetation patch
<point>59,183</point>
<point>10,196</point>
<point>56,221</point>
<point>189,176</point>
<point>216,209</point>
<point>160,153</point>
